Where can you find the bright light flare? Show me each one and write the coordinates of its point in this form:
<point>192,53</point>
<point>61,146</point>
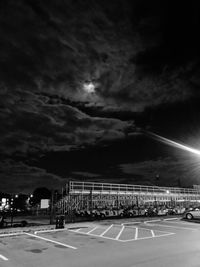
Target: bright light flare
<point>89,87</point>
<point>174,144</point>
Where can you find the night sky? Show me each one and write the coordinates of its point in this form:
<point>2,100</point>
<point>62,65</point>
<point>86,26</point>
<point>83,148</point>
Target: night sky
<point>81,79</point>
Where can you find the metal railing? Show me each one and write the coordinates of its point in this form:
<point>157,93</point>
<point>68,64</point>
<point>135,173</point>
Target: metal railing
<point>75,186</point>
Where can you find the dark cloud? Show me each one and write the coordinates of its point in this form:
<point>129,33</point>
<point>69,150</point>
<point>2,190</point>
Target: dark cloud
<point>140,56</point>
<point>32,125</point>
<point>135,57</point>
<point>164,171</point>
<point>19,177</point>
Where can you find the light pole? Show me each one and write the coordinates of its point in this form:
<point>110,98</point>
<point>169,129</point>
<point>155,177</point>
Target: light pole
<point>12,207</point>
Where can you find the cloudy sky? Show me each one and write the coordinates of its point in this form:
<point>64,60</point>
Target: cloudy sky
<point>80,79</point>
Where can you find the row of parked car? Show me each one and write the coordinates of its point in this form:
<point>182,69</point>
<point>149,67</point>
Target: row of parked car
<point>128,212</point>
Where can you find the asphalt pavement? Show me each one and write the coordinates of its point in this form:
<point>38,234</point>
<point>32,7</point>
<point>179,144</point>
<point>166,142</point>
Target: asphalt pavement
<point>127,243</point>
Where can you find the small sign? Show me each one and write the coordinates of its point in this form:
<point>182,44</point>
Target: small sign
<point>44,203</point>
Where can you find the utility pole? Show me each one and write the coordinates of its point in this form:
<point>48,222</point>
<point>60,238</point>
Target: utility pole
<point>62,192</point>
<point>117,202</point>
<point>62,202</point>
<point>137,204</point>
<point>52,207</point>
<point>155,202</point>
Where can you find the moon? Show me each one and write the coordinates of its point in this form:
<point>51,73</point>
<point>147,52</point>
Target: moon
<point>89,87</point>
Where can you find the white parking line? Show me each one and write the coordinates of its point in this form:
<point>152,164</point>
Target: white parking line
<point>49,231</point>
<point>153,234</point>
<point>11,234</point>
<point>117,238</point>
<point>120,232</point>
<point>171,226</point>
<point>106,237</point>
<point>3,258</point>
<point>148,237</point>
<point>134,227</point>
<point>131,223</point>
<point>52,241</point>
<point>106,230</point>
<point>59,230</point>
<point>170,219</point>
<point>136,233</point>
<point>185,223</point>
<point>152,221</point>
<point>77,230</point>
<point>91,230</point>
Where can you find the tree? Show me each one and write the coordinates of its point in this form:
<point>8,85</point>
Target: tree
<point>20,202</point>
<point>40,193</point>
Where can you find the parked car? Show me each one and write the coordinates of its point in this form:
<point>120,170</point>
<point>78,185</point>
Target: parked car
<point>119,212</point>
<point>179,210</point>
<point>95,213</point>
<point>161,211</point>
<point>171,211</point>
<point>141,212</point>
<point>106,213</point>
<point>192,214</point>
<point>82,213</point>
<point>150,212</point>
<point>111,212</point>
<point>129,213</point>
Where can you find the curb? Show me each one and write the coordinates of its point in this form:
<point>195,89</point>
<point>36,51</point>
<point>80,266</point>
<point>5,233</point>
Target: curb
<point>191,221</point>
<point>22,230</point>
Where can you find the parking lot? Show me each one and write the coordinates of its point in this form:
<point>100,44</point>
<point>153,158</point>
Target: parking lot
<point>128,243</point>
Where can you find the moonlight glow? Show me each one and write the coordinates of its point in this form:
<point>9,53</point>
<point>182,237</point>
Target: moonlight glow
<point>89,87</point>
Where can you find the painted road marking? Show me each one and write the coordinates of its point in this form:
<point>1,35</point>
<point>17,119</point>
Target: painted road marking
<point>91,230</point>
<point>106,237</point>
<point>171,226</point>
<point>136,233</point>
<point>153,234</point>
<point>59,230</point>
<point>152,221</point>
<point>185,223</point>
<point>52,241</point>
<point>148,237</point>
<point>120,232</point>
<point>131,223</point>
<point>77,230</point>
<point>157,220</point>
<point>170,219</point>
<point>49,231</point>
<point>102,234</point>
<point>3,258</point>
<point>11,234</point>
